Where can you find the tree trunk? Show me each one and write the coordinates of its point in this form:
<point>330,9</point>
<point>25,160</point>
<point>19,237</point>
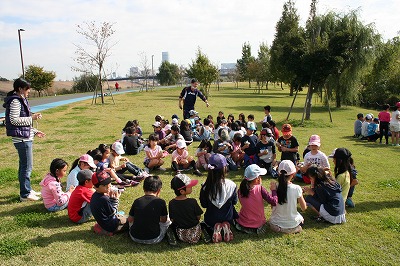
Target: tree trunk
<point>101,86</point>
<point>281,86</point>
<point>291,89</point>
<point>338,99</point>
<point>309,101</point>
<point>249,83</point>
<point>266,85</point>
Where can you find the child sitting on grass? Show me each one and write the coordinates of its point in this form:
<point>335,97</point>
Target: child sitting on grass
<point>285,218</point>
<point>181,159</point>
<point>122,164</point>
<point>218,196</point>
<point>83,162</point>
<point>324,196</point>
<point>203,153</point>
<point>148,217</point>
<point>184,212</point>
<point>252,196</point>
<point>154,154</point>
<point>79,202</point>
<point>104,205</point>
<point>54,198</point>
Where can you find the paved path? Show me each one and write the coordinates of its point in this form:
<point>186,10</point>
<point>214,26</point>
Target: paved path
<point>43,103</point>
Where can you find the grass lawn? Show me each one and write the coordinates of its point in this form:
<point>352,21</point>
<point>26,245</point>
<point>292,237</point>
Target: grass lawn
<point>29,234</point>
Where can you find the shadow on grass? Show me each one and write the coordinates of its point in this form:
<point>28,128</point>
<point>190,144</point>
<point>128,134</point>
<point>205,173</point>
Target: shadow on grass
<point>368,206</point>
<point>6,200</point>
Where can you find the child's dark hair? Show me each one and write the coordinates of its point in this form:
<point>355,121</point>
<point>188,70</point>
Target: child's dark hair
<point>135,122</point>
<point>57,164</point>
<point>128,124</point>
<point>213,184</point>
<point>386,106</point>
<point>267,108</point>
<point>237,137</point>
<point>130,130</point>
<point>234,126</point>
<point>319,174</point>
<point>205,144</point>
<point>265,125</point>
<point>272,123</point>
<point>184,126</point>
<point>175,128</point>
<point>152,183</point>
<point>244,188</point>
<point>242,118</point>
<point>250,116</point>
<point>153,137</point>
<point>281,191</point>
<point>96,154</point>
<point>206,121</point>
<point>342,165</point>
<point>19,83</point>
<point>74,164</point>
<point>103,148</point>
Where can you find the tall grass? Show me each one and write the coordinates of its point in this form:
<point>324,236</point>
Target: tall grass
<point>28,234</point>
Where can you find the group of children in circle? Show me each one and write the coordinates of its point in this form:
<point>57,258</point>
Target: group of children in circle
<point>373,128</point>
<point>236,145</point>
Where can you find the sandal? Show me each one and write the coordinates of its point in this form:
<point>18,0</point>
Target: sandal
<point>228,235</point>
<point>217,233</point>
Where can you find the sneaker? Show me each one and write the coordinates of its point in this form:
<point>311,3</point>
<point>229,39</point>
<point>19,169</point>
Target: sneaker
<point>162,169</point>
<point>100,231</point>
<point>350,203</point>
<point>30,197</point>
<point>228,235</point>
<point>171,237</point>
<point>205,235</point>
<point>147,170</point>
<point>262,229</point>
<point>217,233</point>
<point>35,193</point>
<point>197,172</point>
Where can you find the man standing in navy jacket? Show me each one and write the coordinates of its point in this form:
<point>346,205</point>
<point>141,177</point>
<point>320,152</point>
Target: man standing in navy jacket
<point>188,97</point>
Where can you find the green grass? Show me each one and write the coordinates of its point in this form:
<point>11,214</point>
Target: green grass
<point>29,234</point>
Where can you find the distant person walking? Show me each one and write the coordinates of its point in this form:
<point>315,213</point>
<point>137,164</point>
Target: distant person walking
<point>188,96</point>
<point>19,125</point>
<point>116,86</point>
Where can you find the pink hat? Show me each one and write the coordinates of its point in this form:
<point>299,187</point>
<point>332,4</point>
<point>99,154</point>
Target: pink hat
<point>315,140</point>
<point>181,144</point>
<point>398,104</point>
<point>87,159</point>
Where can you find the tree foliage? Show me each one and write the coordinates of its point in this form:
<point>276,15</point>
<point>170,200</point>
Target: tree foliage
<point>383,82</point>
<point>203,70</point>
<point>168,74</point>
<point>85,83</point>
<point>288,47</point>
<point>40,79</point>
<point>91,57</point>
<point>243,64</point>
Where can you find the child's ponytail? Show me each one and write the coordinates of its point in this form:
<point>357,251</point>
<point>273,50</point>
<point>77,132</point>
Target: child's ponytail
<point>282,187</point>
<point>245,188</point>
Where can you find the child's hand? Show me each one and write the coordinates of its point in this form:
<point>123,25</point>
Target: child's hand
<point>71,188</point>
<point>114,194</point>
<point>123,165</point>
<point>272,185</point>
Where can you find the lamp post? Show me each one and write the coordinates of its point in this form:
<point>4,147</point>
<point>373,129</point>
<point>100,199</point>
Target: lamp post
<point>152,70</point>
<point>20,51</point>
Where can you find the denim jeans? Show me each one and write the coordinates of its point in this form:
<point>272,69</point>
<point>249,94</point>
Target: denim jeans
<point>25,154</point>
<point>86,214</point>
<point>56,208</point>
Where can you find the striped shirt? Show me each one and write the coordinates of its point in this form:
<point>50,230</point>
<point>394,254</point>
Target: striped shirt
<point>17,120</point>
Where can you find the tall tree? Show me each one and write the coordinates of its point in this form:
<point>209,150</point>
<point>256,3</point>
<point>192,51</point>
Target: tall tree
<point>288,47</point>
<point>352,44</point>
<point>244,63</point>
<point>264,58</point>
<point>40,79</point>
<point>146,68</point>
<point>168,74</point>
<point>203,70</point>
<point>92,56</point>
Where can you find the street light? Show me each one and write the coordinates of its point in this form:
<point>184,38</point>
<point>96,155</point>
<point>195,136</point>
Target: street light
<point>152,70</point>
<point>20,50</point>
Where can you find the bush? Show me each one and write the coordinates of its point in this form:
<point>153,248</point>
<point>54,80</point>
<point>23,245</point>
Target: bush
<point>85,83</point>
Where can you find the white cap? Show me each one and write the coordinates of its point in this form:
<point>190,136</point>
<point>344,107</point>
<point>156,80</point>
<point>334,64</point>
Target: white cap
<point>287,166</point>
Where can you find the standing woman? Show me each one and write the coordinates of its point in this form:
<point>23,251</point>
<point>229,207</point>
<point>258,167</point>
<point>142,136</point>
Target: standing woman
<point>19,125</point>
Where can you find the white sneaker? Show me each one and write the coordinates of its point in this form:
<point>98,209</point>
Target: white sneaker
<point>35,193</point>
<point>30,197</point>
<point>147,170</point>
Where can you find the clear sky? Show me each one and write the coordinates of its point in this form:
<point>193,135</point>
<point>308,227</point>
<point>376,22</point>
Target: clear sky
<point>218,27</point>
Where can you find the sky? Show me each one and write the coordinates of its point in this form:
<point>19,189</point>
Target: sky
<point>146,28</point>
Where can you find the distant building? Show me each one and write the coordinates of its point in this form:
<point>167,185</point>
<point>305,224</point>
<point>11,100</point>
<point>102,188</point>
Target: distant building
<point>227,68</point>
<point>165,57</point>
<point>134,71</point>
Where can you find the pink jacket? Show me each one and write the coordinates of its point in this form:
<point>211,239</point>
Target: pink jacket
<point>52,193</point>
